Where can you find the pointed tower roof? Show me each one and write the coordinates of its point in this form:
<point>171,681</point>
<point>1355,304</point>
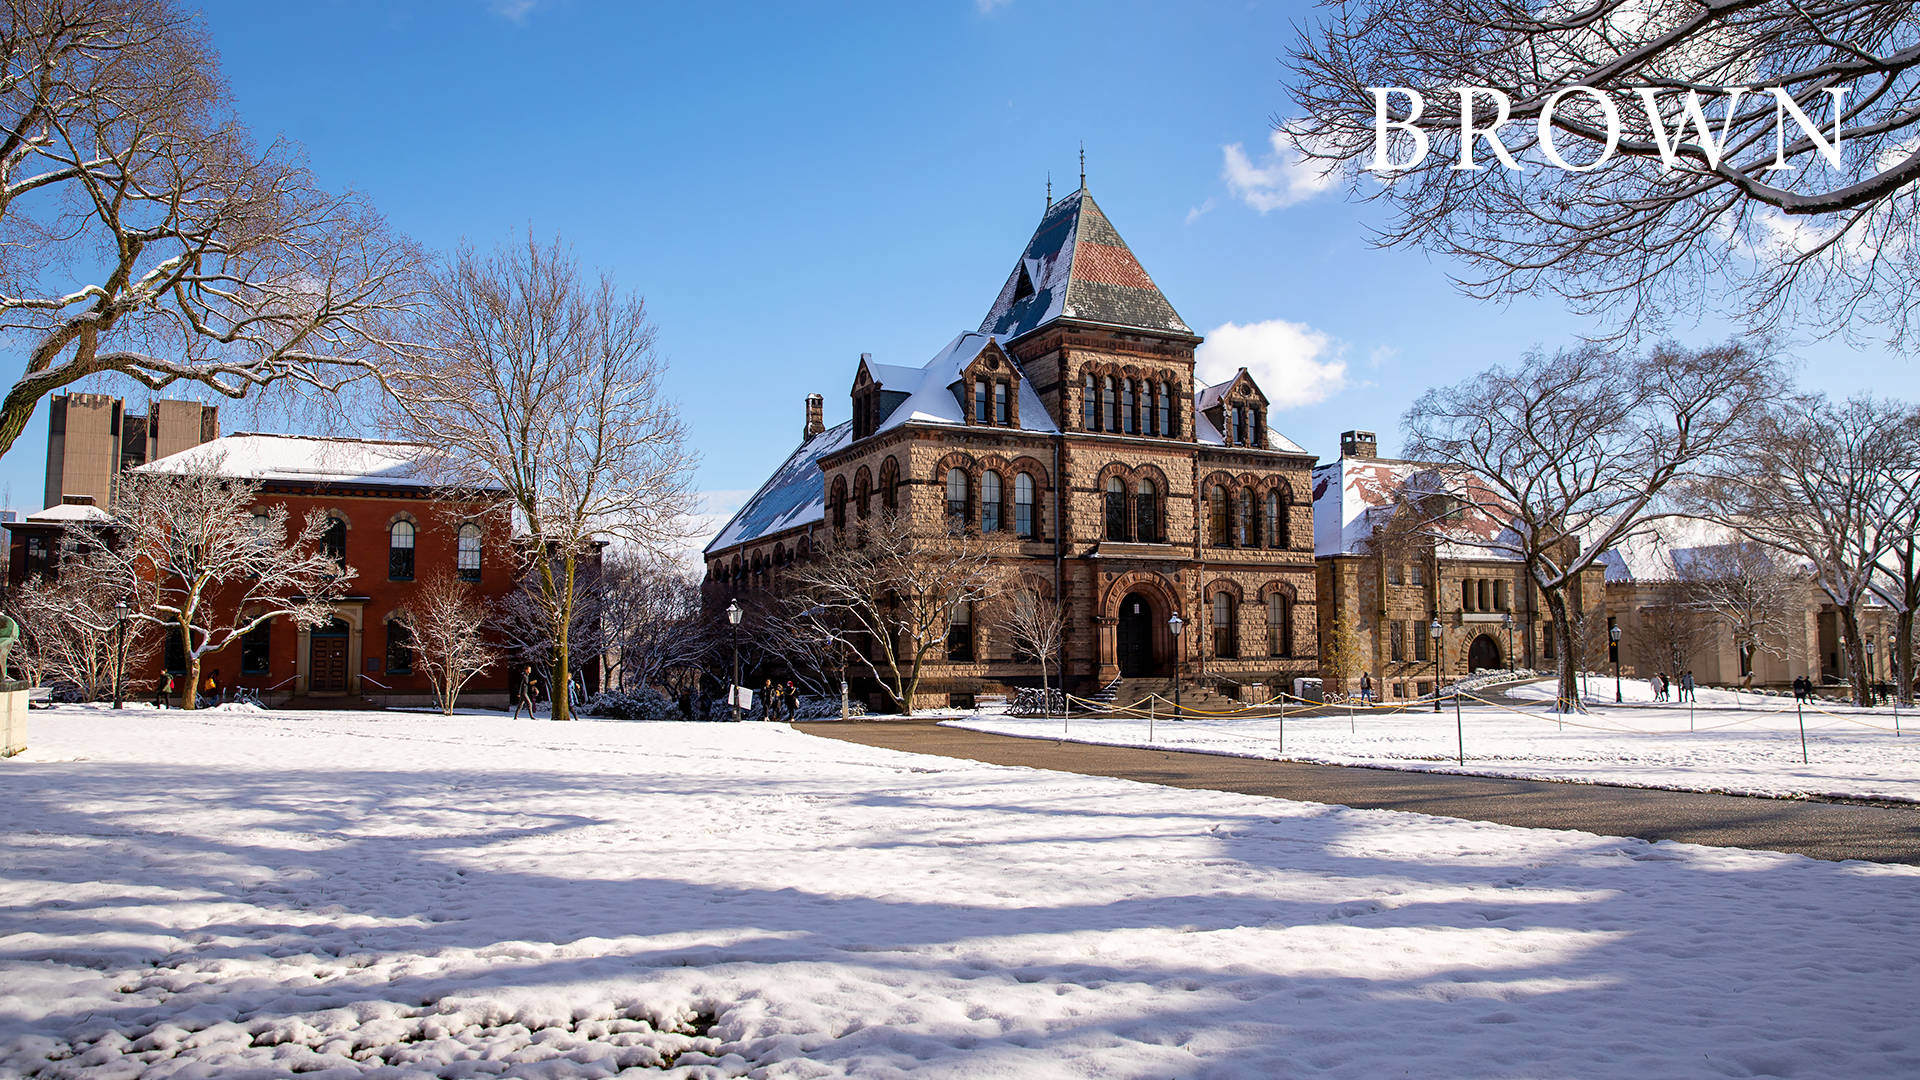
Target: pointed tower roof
<point>1077,267</point>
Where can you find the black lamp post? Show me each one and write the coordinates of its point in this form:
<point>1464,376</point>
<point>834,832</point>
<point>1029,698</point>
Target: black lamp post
<point>1433,631</point>
<point>120,658</point>
<point>1613,646</point>
<point>1175,624</point>
<point>1870,687</point>
<point>1506,620</point>
<point>733,632</point>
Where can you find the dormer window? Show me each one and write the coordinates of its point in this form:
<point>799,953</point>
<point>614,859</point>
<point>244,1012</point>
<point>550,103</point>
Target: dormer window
<point>1000,396</point>
<point>980,414</point>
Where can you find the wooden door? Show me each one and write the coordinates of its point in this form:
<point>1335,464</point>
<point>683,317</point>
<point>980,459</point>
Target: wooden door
<point>327,670</point>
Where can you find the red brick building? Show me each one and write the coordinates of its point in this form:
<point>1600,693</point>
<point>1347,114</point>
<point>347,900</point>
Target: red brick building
<point>389,521</point>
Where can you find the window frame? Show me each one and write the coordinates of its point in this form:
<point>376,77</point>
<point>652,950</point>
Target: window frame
<point>990,491</point>
<point>461,569</point>
<point>1029,528</point>
<point>401,567</point>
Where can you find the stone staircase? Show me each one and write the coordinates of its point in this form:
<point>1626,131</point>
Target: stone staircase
<point>1130,692</point>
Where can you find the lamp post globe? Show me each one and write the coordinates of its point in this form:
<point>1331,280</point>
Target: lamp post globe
<point>733,632</point>
<point>1433,631</point>
<point>1613,640</point>
<point>1175,624</point>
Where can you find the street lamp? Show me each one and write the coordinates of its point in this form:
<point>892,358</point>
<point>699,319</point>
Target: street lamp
<point>1506,620</point>
<point>733,632</point>
<point>1613,646</point>
<point>1175,624</point>
<point>1433,631</point>
<point>1870,694</point>
<point>120,660</point>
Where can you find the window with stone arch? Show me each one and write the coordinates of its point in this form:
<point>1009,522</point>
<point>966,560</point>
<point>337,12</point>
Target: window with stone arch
<point>1168,417</point>
<point>400,551</point>
<point>890,485</point>
<point>990,501</point>
<point>1279,624</point>
<point>1146,512</point>
<point>1001,413</point>
<point>467,552</point>
<point>334,540</point>
<point>1217,515</point>
<point>1109,407</point>
<point>1279,525</point>
<point>1126,406</point>
<point>861,492</point>
<point>1244,523</point>
<point>1116,508</point>
<point>1149,407</point>
<point>956,500</point>
<point>1024,522</point>
<point>1089,405</point>
<point>839,501</point>
<point>1226,644</point>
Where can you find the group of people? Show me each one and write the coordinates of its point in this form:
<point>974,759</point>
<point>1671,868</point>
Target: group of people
<point>781,701</point>
<point>211,692</point>
<point>1802,688</point>
<point>1663,687</point>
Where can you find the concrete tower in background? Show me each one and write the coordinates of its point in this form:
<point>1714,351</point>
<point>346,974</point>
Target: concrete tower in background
<point>92,437</point>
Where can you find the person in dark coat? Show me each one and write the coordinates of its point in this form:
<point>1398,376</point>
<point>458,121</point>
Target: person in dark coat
<point>529,693</point>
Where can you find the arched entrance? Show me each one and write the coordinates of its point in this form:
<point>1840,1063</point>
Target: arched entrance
<point>1133,636</point>
<point>1483,654</point>
<point>327,658</point>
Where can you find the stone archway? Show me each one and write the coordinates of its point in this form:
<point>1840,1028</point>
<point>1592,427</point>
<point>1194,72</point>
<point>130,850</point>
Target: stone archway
<point>1133,637</point>
<point>1484,655</point>
<point>1133,620</point>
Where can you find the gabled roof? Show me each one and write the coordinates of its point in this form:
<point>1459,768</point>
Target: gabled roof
<point>931,397</point>
<point>69,514</point>
<point>1077,267</point>
<point>794,495</point>
<point>305,458</point>
<point>1209,396</point>
<point>1352,495</point>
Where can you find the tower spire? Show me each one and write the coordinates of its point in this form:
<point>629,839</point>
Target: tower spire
<point>1049,187</point>
<point>1083,164</point>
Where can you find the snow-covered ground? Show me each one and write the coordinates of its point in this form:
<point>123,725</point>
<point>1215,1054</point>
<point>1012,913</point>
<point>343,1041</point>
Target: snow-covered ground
<point>1742,743</point>
<point>251,895</point>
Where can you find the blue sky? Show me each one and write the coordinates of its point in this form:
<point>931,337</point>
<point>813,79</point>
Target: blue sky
<point>792,185</point>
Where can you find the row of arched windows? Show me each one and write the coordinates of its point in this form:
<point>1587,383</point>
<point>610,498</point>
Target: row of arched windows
<point>1243,519</point>
<point>1128,406</point>
<point>1226,624</point>
<point>997,513</point>
<point>401,536</point>
<point>1140,522</point>
<point>760,567</point>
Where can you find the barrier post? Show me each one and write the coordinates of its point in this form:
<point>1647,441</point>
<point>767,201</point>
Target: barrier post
<point>1149,717</point>
<point>1282,747</point>
<point>1459,729</point>
<point>1802,713</point>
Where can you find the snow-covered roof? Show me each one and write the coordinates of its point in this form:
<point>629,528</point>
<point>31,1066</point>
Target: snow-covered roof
<point>1077,267</point>
<point>930,388</point>
<point>1352,495</point>
<point>70,514</point>
<point>305,458</point>
<point>1660,550</point>
<point>794,495</point>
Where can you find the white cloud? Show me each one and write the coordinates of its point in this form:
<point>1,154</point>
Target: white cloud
<point>1380,354</point>
<point>1200,211</point>
<point>1294,363</point>
<point>1282,178</point>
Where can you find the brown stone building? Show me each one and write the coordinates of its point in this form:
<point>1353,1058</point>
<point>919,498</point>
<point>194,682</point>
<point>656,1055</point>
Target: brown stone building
<point>92,438</point>
<point>1386,592</point>
<point>1071,431</point>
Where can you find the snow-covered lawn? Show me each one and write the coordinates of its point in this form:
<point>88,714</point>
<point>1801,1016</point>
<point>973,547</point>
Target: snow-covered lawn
<point>1741,743</point>
<point>252,895</point>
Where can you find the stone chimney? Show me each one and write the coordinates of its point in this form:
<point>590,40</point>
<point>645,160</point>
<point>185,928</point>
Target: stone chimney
<point>1359,444</point>
<point>816,415</point>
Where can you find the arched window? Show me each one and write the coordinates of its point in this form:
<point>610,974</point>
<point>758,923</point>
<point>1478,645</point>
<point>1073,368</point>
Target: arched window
<point>956,499</point>
<point>1023,521</point>
<point>1224,642</point>
<point>400,551</point>
<point>1279,625</point>
<point>1109,408</point>
<point>1167,416</point>
<point>256,649</point>
<point>860,493</point>
<point>399,649</point>
<point>1217,515</point>
<point>1259,426</point>
<point>334,540</point>
<point>264,534</point>
<point>980,414</point>
<point>1276,521</point>
<point>1243,525</point>
<point>1088,404</point>
<point>960,633</point>
<point>1126,406</point>
<point>1000,414</point>
<point>1150,407</point>
<point>468,555</point>
<point>990,501</point>
<point>1146,512</point>
<point>1116,509</point>
<point>839,501</point>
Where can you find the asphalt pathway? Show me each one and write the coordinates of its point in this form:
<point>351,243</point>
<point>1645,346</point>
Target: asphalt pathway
<point>1823,830</point>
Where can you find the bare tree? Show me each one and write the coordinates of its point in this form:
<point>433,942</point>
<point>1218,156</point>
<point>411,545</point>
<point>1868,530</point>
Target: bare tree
<point>1339,657</point>
<point>447,618</point>
<point>889,599</point>
<point>545,385</point>
<point>1752,590</point>
<point>1669,205</point>
<point>1819,481</point>
<point>71,625</point>
<point>1898,583</point>
<point>649,612</point>
<point>220,562</point>
<point>1671,628</point>
<point>1564,455</point>
<point>142,232</point>
<point>1035,624</point>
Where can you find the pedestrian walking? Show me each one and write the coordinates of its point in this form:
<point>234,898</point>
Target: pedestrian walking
<point>1653,684</point>
<point>161,692</point>
<point>1366,688</point>
<point>1686,685</point>
<point>771,699</point>
<point>527,694</point>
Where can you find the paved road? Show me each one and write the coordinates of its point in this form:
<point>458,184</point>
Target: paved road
<point>1824,830</point>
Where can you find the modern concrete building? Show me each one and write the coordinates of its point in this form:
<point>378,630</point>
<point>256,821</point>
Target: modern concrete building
<point>92,438</point>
